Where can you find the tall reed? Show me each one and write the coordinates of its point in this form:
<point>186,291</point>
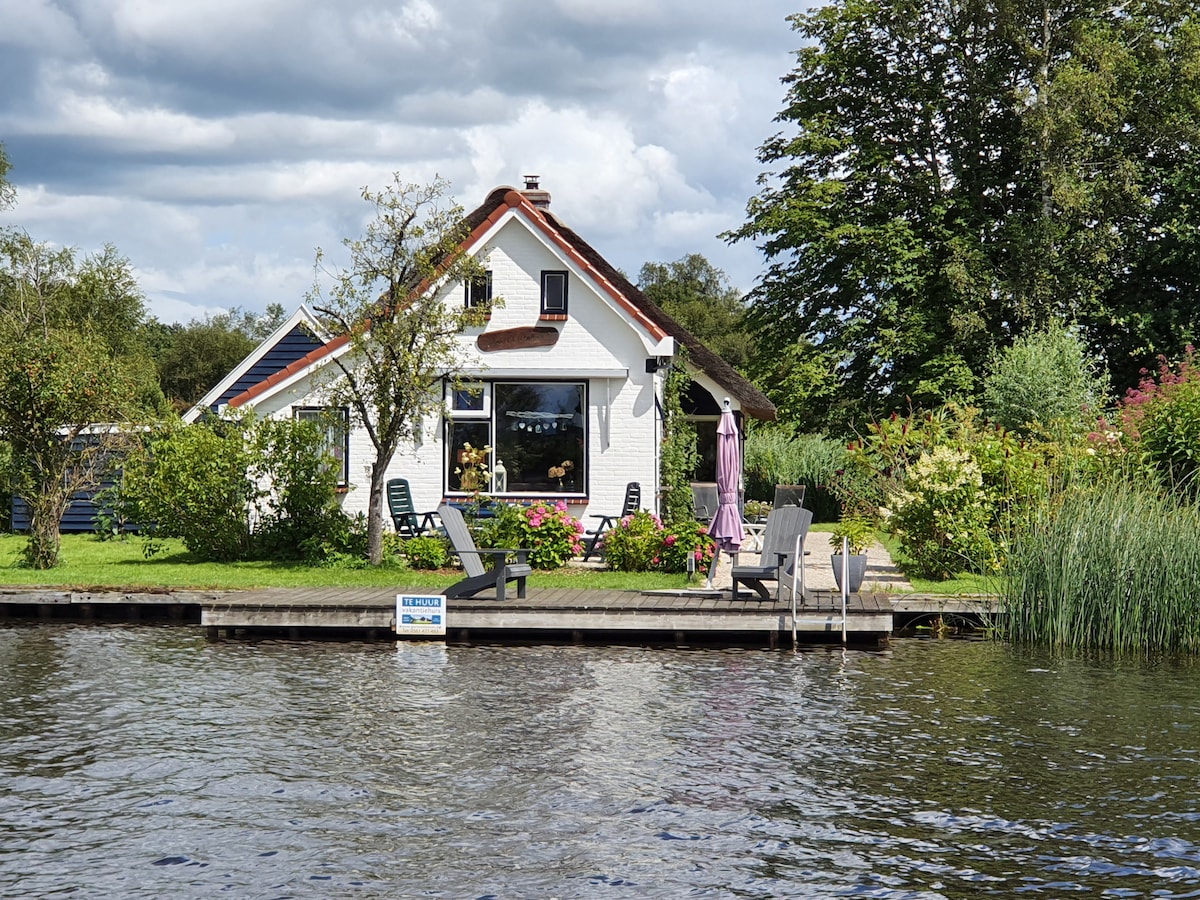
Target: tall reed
<point>775,455</point>
<point>1107,566</point>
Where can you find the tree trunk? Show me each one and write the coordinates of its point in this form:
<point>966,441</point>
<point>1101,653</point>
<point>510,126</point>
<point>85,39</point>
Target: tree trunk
<point>45,538</point>
<point>375,514</point>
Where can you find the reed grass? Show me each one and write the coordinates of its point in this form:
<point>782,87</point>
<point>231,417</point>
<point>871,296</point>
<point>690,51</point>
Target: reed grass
<point>1112,566</point>
<point>775,455</point>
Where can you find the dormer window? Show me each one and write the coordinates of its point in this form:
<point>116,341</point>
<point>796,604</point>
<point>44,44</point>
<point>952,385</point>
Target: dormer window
<point>478,291</point>
<point>554,295</point>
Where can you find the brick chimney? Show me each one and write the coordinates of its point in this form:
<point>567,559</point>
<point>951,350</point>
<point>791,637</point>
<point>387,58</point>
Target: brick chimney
<point>536,196</point>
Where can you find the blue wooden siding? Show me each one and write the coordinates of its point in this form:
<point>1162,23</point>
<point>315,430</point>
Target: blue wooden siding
<point>80,515</point>
<point>292,346</point>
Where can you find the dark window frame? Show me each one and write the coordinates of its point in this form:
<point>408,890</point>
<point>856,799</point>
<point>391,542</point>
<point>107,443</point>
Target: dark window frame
<point>548,276</point>
<point>475,287</point>
<point>484,431</point>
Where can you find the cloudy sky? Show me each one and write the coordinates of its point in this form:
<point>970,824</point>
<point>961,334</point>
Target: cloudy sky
<point>218,143</point>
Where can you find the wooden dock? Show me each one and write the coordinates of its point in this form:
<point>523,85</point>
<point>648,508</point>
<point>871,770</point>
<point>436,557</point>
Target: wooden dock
<point>680,618</point>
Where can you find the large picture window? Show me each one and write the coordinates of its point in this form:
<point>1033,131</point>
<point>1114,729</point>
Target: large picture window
<point>333,423</point>
<point>537,434</point>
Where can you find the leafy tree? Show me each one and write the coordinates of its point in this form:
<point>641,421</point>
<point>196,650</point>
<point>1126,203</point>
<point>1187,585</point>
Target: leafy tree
<point>954,173</point>
<point>60,384</point>
<point>699,296</point>
<point>8,193</point>
<point>402,339</point>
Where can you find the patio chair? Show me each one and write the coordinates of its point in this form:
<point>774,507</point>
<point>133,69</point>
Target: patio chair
<point>782,550</point>
<point>633,502</point>
<point>704,500</point>
<point>479,577</point>
<point>407,521</point>
<point>789,495</point>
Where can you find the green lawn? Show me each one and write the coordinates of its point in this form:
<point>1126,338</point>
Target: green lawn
<point>88,563</point>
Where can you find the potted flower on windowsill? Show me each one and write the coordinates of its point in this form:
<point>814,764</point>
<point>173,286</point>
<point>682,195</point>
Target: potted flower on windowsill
<point>859,533</point>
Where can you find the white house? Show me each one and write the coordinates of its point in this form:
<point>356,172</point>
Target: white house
<point>569,369</point>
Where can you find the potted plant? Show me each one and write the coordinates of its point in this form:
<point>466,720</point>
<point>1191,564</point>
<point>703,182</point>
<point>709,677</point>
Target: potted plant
<point>756,510</point>
<point>858,532</point>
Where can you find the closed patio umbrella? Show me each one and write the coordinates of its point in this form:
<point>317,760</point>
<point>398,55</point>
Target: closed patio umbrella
<point>726,526</point>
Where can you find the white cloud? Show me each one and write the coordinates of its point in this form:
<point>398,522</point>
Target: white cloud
<point>218,144</point>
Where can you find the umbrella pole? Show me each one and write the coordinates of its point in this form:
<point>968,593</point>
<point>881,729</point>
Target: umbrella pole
<point>712,567</point>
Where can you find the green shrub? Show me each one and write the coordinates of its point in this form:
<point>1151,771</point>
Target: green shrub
<point>684,542</point>
<point>546,529</point>
<point>941,516</point>
<point>193,482</point>
<point>633,544</point>
<point>427,551</point>
<point>640,543</point>
<point>1045,377</point>
<point>302,508</point>
<point>1162,417</point>
<point>342,544</point>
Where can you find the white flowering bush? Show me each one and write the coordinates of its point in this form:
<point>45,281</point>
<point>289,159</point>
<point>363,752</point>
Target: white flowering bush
<point>941,515</point>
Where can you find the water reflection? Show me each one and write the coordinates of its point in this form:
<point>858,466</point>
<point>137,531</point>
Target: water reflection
<point>146,762</point>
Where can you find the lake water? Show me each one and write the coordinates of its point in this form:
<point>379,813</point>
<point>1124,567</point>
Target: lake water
<point>147,762</point>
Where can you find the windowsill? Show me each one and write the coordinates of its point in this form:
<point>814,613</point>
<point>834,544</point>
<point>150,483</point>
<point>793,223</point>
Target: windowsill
<point>553,317</point>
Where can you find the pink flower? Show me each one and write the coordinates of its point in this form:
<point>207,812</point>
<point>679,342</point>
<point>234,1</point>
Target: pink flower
<point>670,541</point>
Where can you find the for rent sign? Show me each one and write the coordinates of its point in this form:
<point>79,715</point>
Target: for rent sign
<point>420,614</point>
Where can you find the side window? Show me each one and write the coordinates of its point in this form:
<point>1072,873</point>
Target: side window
<point>554,293</point>
<point>333,423</point>
<point>478,291</point>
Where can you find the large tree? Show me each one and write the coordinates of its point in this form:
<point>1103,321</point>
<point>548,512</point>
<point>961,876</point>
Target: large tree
<point>66,387</point>
<point>954,173</point>
<point>403,339</point>
<point>700,297</point>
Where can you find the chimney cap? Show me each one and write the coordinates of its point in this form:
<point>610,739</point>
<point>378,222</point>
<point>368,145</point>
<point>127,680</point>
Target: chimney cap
<point>531,182</point>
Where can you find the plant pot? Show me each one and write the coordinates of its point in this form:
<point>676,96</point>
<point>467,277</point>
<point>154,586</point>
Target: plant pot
<point>858,571</point>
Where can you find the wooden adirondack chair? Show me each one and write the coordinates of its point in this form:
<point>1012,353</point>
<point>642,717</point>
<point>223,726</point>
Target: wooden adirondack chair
<point>782,549</point>
<point>405,518</point>
<point>633,502</point>
<point>479,577</point>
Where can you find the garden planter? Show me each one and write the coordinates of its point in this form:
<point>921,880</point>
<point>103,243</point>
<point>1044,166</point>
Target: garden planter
<point>858,571</point>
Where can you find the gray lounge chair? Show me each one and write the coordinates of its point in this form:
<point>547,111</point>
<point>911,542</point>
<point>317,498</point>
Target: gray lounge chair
<point>782,545</point>
<point>479,577</point>
<point>789,495</point>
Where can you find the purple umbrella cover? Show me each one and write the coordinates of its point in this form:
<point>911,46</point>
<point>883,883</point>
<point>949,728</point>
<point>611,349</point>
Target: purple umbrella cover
<point>726,527</point>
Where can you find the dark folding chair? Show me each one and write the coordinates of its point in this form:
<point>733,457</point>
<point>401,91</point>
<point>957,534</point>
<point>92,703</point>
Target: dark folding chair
<point>789,495</point>
<point>479,577</point>
<point>633,502</point>
<point>704,500</point>
<point>407,521</point>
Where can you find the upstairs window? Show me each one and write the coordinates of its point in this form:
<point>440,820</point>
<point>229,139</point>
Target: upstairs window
<point>554,293</point>
<point>478,291</point>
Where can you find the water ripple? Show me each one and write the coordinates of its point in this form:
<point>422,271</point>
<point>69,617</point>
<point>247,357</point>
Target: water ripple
<point>146,762</point>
